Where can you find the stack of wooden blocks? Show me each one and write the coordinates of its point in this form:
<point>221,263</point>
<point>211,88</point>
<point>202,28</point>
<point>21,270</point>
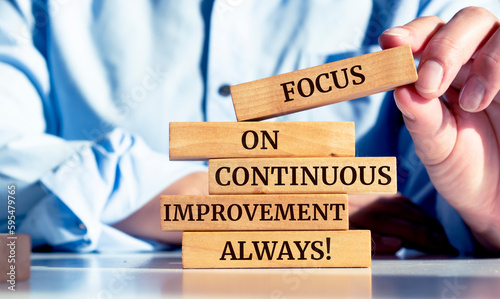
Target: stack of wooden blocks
<point>278,190</point>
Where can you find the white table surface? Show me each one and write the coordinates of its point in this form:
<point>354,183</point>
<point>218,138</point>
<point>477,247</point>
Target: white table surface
<point>160,275</point>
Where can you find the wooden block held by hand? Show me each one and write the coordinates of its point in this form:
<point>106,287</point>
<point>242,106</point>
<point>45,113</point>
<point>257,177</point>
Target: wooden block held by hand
<point>202,141</point>
<point>276,249</point>
<point>372,175</point>
<point>254,212</point>
<point>15,258</point>
<point>324,84</point>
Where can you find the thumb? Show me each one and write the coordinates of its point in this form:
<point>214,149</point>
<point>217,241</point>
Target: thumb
<point>430,123</point>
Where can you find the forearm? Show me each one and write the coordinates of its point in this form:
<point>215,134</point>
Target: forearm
<point>145,222</point>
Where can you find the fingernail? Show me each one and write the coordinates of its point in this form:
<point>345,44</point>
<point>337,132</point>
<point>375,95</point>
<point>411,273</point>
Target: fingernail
<point>407,114</point>
<point>397,31</point>
<point>472,94</point>
<point>430,76</point>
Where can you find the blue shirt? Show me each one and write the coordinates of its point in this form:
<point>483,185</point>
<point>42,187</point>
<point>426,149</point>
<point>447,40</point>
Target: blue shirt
<point>87,89</point>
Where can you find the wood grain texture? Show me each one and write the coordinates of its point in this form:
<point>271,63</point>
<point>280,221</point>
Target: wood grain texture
<point>276,249</point>
<point>313,87</point>
<point>205,140</point>
<point>372,175</point>
<point>254,212</point>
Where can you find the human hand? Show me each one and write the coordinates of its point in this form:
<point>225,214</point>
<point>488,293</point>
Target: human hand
<point>457,138</point>
<point>145,222</point>
<point>397,222</point>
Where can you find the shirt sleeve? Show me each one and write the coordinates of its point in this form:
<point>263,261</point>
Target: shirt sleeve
<point>447,9</point>
<point>68,193</point>
<point>98,185</point>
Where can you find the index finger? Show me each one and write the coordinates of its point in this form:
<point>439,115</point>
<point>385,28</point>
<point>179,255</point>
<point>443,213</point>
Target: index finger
<point>452,47</point>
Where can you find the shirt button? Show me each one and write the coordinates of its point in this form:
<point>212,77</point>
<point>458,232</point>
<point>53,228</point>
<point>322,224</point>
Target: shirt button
<point>224,90</point>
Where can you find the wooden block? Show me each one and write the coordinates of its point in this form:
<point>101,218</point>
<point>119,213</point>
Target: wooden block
<point>201,141</point>
<point>325,84</point>
<point>15,258</point>
<point>374,175</point>
<point>254,212</point>
<point>276,249</point>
